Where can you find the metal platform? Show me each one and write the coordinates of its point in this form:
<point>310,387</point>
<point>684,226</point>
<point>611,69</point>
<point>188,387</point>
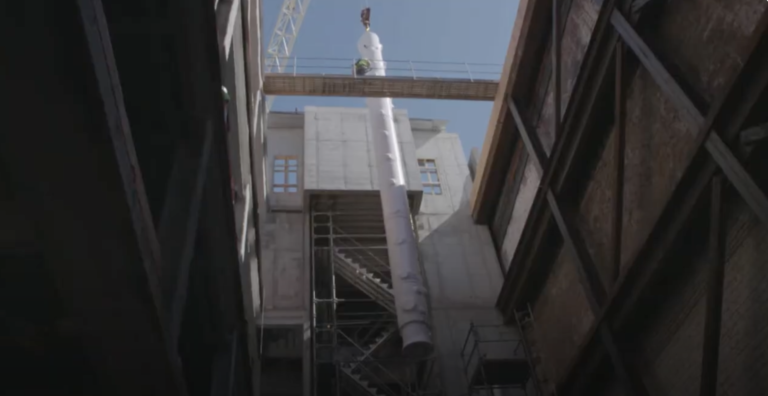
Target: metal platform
<point>382,87</point>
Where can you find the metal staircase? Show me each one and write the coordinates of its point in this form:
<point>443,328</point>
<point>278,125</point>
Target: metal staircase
<point>375,287</point>
<point>525,322</point>
<point>357,374</point>
<point>357,381</point>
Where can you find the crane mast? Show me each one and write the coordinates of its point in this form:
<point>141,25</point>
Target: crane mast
<point>283,37</point>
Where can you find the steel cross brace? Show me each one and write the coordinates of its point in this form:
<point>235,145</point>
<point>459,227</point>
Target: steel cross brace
<point>719,151</point>
<point>735,105</point>
<point>593,287</point>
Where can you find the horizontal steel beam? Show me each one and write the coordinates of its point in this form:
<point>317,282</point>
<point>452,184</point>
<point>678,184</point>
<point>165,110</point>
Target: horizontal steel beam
<point>379,87</point>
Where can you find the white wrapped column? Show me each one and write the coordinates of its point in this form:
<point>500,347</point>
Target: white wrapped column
<point>408,286</point>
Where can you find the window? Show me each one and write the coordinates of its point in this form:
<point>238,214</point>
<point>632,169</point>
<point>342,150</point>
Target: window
<point>285,174</point>
<point>429,179</point>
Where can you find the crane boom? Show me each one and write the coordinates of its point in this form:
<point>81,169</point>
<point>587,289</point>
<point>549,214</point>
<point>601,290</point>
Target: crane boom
<point>283,37</point>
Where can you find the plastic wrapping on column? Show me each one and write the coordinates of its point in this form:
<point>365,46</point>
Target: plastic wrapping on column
<point>408,286</point>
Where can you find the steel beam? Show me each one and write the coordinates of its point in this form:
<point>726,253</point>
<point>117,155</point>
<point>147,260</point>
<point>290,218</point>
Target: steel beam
<point>177,229</point>
<point>730,112</point>
<point>556,67</point>
<point>618,155</point>
<point>732,168</point>
<point>712,321</point>
<point>574,124</point>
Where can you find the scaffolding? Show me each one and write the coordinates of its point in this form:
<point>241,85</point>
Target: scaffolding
<point>496,362</point>
<point>356,342</point>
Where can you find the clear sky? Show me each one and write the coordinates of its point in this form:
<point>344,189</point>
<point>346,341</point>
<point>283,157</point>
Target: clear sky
<point>475,31</point>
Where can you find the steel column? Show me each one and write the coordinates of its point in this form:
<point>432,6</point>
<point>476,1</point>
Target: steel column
<point>711,347</point>
<point>618,155</point>
<point>177,230</point>
<point>556,66</point>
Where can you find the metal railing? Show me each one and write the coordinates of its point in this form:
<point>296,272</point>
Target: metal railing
<point>394,68</point>
<point>363,255</point>
<point>484,342</point>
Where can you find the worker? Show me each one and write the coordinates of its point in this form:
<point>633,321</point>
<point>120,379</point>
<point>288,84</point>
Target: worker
<point>365,18</point>
<point>362,66</point>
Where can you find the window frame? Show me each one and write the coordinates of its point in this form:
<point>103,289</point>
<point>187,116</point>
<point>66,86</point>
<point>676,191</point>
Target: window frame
<point>432,186</point>
<point>281,164</point>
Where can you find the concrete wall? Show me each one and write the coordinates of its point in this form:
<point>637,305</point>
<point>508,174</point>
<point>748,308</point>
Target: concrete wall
<point>239,35</point>
<point>285,136</point>
<point>461,268</point>
<point>283,267</point>
<point>338,150</point>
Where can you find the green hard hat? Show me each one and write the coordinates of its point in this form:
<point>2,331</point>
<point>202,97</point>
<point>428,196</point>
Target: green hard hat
<point>225,94</point>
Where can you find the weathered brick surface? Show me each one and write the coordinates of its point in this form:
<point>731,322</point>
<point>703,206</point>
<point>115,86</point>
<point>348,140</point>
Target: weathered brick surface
<point>670,337</point>
<point>744,339</point>
<point>562,316</point>
<point>580,23</point>
<point>704,39</point>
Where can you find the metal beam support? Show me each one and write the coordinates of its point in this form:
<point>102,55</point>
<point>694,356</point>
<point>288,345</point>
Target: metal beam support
<point>594,290</point>
<point>719,151</point>
<point>556,67</point>
<point>177,230</point>
<point>562,156</point>
<point>711,347</point>
<point>618,155</point>
<point>730,112</point>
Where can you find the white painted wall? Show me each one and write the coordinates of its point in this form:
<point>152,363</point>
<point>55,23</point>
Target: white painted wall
<point>338,150</point>
<point>458,257</point>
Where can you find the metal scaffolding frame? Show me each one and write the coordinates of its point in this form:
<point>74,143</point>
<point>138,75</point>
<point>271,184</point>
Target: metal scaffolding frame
<point>355,338</point>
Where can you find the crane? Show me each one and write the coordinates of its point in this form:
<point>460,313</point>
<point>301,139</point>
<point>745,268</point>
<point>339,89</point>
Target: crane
<point>283,37</point>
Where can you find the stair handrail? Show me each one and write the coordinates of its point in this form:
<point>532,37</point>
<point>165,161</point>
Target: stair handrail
<point>365,249</point>
<point>349,373</point>
<point>527,350</point>
<point>380,382</point>
<point>358,361</point>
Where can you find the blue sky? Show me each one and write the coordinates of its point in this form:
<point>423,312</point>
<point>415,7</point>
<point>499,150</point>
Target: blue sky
<point>474,31</point>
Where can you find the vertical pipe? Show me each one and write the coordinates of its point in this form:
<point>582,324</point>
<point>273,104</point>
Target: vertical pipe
<point>408,286</point>
<point>712,321</point>
<point>618,183</point>
<point>556,64</point>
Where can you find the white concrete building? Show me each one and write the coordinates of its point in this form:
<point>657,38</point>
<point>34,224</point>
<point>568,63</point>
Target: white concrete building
<point>328,310</point>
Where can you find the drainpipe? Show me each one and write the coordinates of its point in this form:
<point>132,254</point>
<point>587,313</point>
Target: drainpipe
<point>408,286</point>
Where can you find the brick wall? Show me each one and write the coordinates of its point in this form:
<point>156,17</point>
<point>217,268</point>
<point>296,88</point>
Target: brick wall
<point>703,39</point>
<point>669,338</point>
